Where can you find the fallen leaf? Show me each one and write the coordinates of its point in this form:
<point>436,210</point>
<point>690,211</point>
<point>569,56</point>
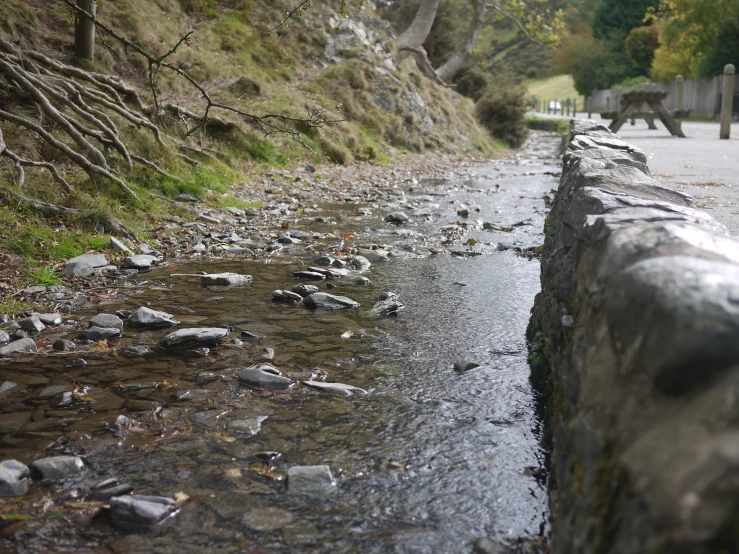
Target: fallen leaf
<point>15,517</point>
<point>181,497</point>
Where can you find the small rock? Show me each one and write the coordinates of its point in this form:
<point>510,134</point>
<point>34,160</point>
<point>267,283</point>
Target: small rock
<point>7,385</point>
<point>265,376</point>
<point>250,335</point>
<point>64,345</point>
<point>58,467</point>
<point>198,336</point>
<point>99,333</point>
<point>118,246</point>
<point>312,275</point>
<point>141,261</point>
<point>362,282</point>
<point>50,319</point>
<point>146,317</point>
<point>268,354</point>
<point>34,290</point>
<point>397,218</point>
<point>329,273</point>
<point>361,263</point>
<point>13,478</point>
<point>387,305</point>
<point>313,480</point>
<point>110,488</point>
<point>52,390</point>
<point>334,388</point>
<point>372,255</point>
<point>107,321</point>
<point>78,269</point>
<point>463,366</point>
<point>209,219</point>
<point>252,425</point>
<point>136,350</point>
<point>305,290</point>
<point>225,280</point>
<point>287,239</point>
<point>95,260</point>
<point>488,546</point>
<point>77,363</point>
<point>199,247</point>
<point>18,347</point>
<point>19,334</point>
<point>324,260</point>
<point>309,168</point>
<point>205,377</point>
<point>266,520</point>
<point>187,198</point>
<point>4,337</point>
<point>282,295</point>
<point>32,324</point>
<point>141,513</point>
<point>325,301</point>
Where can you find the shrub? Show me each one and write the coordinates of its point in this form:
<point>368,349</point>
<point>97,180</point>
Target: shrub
<point>471,82</point>
<point>502,111</point>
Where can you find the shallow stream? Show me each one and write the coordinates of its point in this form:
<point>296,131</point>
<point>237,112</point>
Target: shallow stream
<point>428,461</point>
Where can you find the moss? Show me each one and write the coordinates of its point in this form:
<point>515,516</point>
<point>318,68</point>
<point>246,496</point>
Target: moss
<point>577,469</point>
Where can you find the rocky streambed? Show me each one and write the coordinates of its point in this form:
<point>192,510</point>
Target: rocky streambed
<point>343,370</point>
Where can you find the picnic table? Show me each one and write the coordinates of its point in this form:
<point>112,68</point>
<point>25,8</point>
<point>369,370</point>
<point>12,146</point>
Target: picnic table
<point>632,107</point>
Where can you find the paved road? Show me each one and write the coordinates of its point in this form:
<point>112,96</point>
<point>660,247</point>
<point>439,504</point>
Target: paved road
<point>701,165</point>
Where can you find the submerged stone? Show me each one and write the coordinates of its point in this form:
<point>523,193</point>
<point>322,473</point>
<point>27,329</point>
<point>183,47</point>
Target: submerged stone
<point>199,336</point>
<point>58,467</point>
<point>265,376</point>
<point>334,388</point>
<point>225,280</point>
<point>14,477</point>
<point>312,480</point>
<point>141,513</point>
<point>327,301</point>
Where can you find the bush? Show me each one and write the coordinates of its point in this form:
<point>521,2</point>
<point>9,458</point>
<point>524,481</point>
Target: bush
<point>502,111</point>
<point>471,82</point>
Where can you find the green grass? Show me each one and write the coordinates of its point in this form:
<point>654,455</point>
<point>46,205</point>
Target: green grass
<point>35,243</point>
<point>555,125</point>
<point>13,307</point>
<point>46,276</point>
<point>556,88</point>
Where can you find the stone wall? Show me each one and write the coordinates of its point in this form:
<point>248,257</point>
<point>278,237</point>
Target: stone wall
<point>639,316</point>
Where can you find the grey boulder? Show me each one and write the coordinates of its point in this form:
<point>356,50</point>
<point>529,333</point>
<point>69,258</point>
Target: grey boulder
<point>18,347</point>
<point>13,478</point>
<point>225,280</point>
<point>141,261</point>
<point>4,337</point>
<point>197,336</point>
<point>141,513</point>
<point>325,301</point>
<point>95,260</point>
<point>32,323</point>
<point>58,467</point>
<point>146,317</point>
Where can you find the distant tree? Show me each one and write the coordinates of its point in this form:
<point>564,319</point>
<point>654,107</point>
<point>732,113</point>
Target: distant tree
<point>615,18</point>
<point>603,65</point>
<point>641,44</point>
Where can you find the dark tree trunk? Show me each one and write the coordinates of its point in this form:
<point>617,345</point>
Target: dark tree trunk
<point>84,31</point>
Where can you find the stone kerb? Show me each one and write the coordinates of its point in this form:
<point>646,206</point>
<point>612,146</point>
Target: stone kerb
<point>639,310</point>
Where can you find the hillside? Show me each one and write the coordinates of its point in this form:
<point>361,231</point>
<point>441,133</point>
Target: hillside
<point>335,78</point>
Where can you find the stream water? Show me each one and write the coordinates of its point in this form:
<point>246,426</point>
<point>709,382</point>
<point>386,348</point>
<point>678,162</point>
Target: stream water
<point>428,461</point>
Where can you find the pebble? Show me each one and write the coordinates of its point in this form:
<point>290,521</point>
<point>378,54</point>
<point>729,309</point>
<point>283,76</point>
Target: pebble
<point>141,513</point>
<point>325,301</point>
<point>305,290</point>
<point>18,347</point>
<point>50,319</point>
<point>225,280</point>
<point>64,345</point>
<point>198,336</point>
<point>4,336</point>
<point>58,467</point>
<point>397,218</point>
<point>266,520</point>
<point>141,261</point>
<point>463,366</point>
<point>136,350</point>
<point>14,477</point>
<point>107,321</point>
<point>146,317</point>
<point>118,246</point>
<point>334,388</point>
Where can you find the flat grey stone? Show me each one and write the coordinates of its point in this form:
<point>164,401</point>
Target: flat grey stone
<point>58,467</point>
<point>361,263</point>
<point>118,246</point>
<point>107,321</point>
<point>10,423</point>
<point>312,480</point>
<point>184,197</point>
<point>372,255</point>
<point>324,260</point>
<point>286,295</point>
<point>397,218</point>
<point>334,388</point>
<point>32,323</point>
<point>99,333</point>
<point>7,385</point>
<point>13,478</point>
<point>335,273</point>
<point>235,211</point>
<point>64,345</point>
<point>266,520</point>
<point>95,260</point>
<point>225,280</point>
<point>252,425</point>
<point>386,308</point>
<point>18,347</point>
<point>141,261</point>
<point>325,301</point>
<point>50,319</point>
<point>311,275</point>
<point>264,376</point>
<point>305,290</point>
<point>198,336</point>
<point>208,219</point>
<point>141,513</point>
<point>78,269</point>
<point>146,317</point>
<point>34,290</point>
<point>199,247</point>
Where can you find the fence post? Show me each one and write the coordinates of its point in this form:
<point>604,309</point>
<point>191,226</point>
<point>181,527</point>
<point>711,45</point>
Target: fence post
<point>679,100</point>
<point>727,101</point>
<point>574,108</point>
<point>589,102</point>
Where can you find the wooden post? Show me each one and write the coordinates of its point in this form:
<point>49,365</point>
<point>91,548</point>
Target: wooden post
<point>727,101</point>
<point>589,102</point>
<point>84,30</point>
<point>679,100</point>
<point>568,102</point>
<point>574,108</point>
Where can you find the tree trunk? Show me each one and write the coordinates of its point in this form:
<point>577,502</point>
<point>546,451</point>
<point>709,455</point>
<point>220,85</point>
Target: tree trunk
<point>84,30</point>
<point>415,35</point>
<point>447,71</point>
